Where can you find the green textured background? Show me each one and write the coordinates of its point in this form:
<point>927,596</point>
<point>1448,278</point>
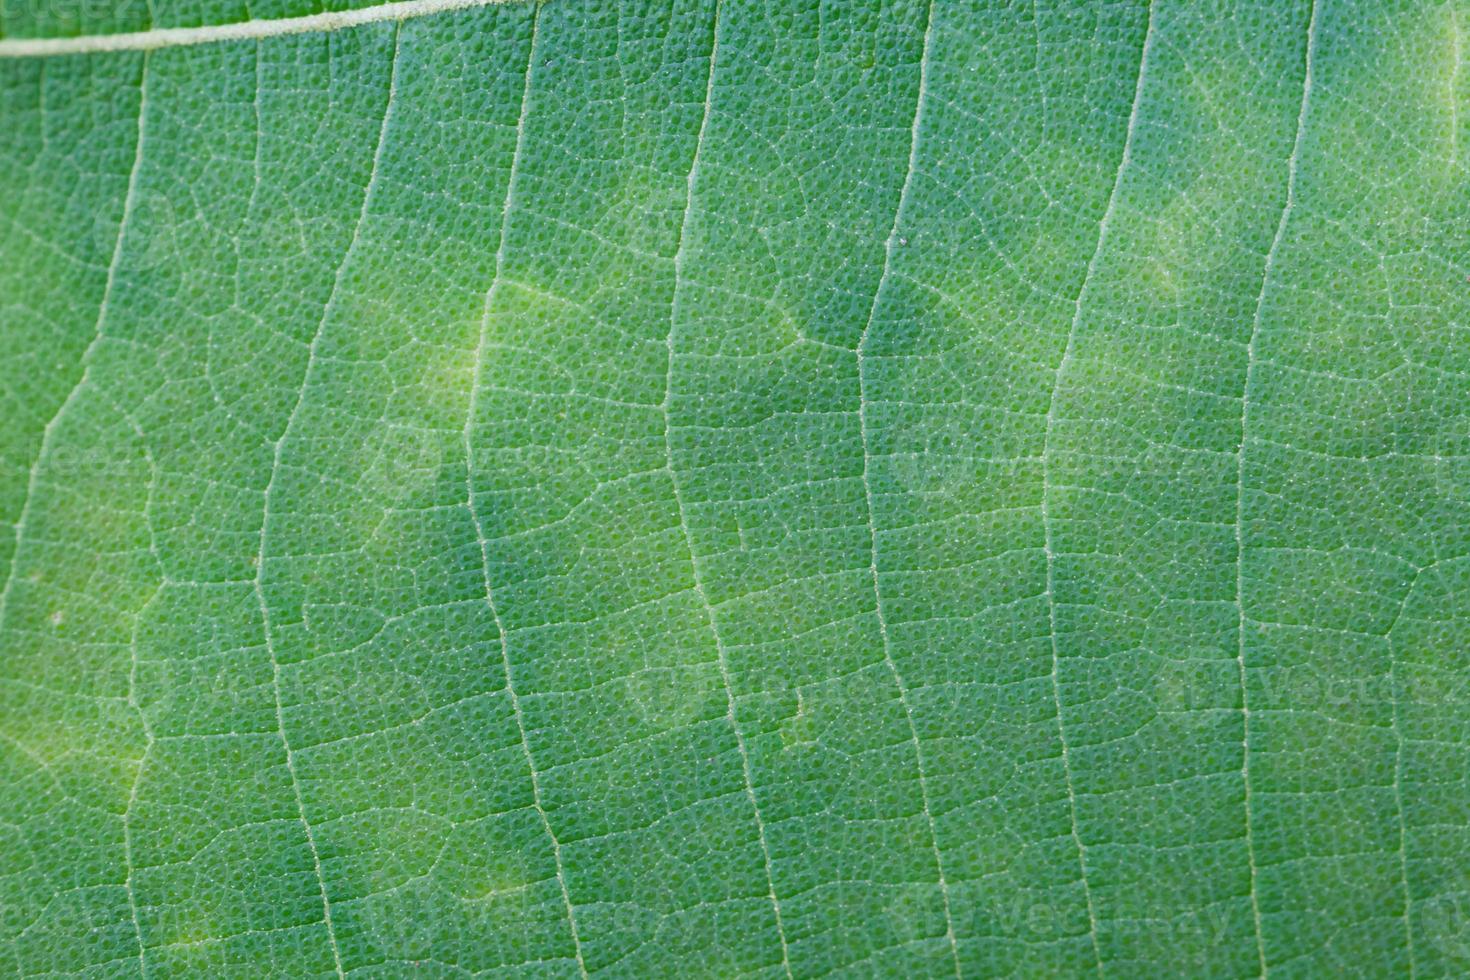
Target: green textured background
<point>758,488</point>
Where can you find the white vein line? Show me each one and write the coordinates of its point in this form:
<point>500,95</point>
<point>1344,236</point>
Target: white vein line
<point>48,433</point>
<point>127,817</point>
<point>129,203</point>
<point>680,252</point>
<point>903,696</point>
<point>481,346</point>
<point>148,742</point>
<point>1398,772</point>
<point>270,486</point>
<point>1051,408</point>
<point>174,37</point>
<point>1245,406</point>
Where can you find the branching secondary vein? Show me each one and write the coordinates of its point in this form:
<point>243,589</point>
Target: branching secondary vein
<point>127,819</point>
<point>1245,408</point>
<point>1046,521</point>
<point>482,344</point>
<point>883,277</point>
<point>709,612</point>
<point>265,517</point>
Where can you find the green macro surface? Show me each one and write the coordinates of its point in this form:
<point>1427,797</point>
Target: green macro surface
<point>71,18</point>
<point>781,488</point>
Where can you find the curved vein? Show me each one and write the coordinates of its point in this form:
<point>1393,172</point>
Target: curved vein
<point>903,696</point>
<point>270,486</point>
<point>484,544</point>
<point>664,406</point>
<point>1051,407</point>
<point>1245,407</point>
<point>48,433</point>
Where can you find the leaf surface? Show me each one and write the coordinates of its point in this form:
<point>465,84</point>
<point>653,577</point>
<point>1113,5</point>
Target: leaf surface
<point>691,488</point>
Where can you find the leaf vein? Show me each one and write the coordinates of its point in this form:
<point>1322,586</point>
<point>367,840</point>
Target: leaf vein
<point>276,456</point>
<point>174,37</point>
<point>863,401</point>
<point>680,250</point>
<point>469,449</point>
<point>1051,603</point>
<point>1245,405</point>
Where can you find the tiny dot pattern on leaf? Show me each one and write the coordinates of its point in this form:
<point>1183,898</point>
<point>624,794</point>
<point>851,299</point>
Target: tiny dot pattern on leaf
<point>714,488</point>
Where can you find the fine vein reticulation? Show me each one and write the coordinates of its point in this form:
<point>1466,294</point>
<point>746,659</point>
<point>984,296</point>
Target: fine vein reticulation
<point>890,243</point>
<point>1051,408</point>
<point>262,554</point>
<point>473,507</point>
<point>709,612</point>
<point>650,489</point>
<point>1250,347</point>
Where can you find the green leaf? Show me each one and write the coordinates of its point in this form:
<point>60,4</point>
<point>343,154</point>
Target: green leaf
<point>692,488</point>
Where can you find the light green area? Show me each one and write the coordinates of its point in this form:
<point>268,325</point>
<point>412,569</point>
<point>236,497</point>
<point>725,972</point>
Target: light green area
<point>723,489</point>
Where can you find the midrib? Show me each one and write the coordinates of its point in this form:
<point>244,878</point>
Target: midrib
<point>173,37</point>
